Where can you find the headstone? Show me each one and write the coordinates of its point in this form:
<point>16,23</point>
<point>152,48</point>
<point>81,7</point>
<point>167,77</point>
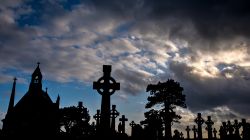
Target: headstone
<point>181,135</point>
<point>199,121</point>
<point>223,131</point>
<point>237,127</point>
<point>194,129</point>
<point>132,124</point>
<point>97,117</point>
<point>123,120</point>
<point>215,133</point>
<point>245,130</point>
<point>114,113</point>
<point>106,86</point>
<point>230,128</point>
<point>188,130</point>
<point>209,128</point>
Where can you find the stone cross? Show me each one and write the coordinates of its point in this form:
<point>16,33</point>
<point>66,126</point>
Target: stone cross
<point>106,86</point>
<point>237,126</point>
<point>215,132</point>
<point>244,129</point>
<point>223,130</point>
<point>114,113</point>
<point>230,128</point>
<point>194,129</point>
<point>181,135</point>
<point>188,130</point>
<point>97,117</point>
<point>123,120</point>
<point>209,128</point>
<point>132,124</point>
<point>199,121</point>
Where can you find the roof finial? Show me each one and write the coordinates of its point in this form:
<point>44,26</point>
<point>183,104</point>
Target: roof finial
<point>46,90</point>
<point>15,79</point>
<point>38,63</point>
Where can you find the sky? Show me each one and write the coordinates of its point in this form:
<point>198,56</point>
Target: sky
<point>204,45</point>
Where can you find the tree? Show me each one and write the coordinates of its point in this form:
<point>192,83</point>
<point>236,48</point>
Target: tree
<point>74,121</point>
<point>153,124</point>
<point>169,95</point>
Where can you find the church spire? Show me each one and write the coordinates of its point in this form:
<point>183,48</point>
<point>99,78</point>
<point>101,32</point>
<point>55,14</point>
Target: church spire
<point>12,96</point>
<point>36,80</point>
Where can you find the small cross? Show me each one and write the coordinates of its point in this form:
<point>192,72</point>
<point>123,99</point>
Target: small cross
<point>97,117</point>
<point>215,132</point>
<point>114,113</point>
<point>199,121</point>
<point>15,79</point>
<point>230,128</point>
<point>123,120</point>
<point>237,126</point>
<point>194,129</point>
<point>132,124</point>
<point>38,63</point>
<point>209,128</point>
<point>181,134</point>
<point>188,129</point>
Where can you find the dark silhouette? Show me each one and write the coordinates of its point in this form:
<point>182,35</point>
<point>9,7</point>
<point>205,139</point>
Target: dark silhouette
<point>123,119</point>
<point>75,121</point>
<point>35,115</point>
<point>132,124</point>
<point>153,124</point>
<point>114,113</point>
<point>223,131</point>
<point>194,129</point>
<point>215,133</point>
<point>177,135</point>
<point>97,117</point>
<point>106,86</point>
<point>170,95</point>
<point>209,128</point>
<point>188,130</point>
<point>199,121</point>
<point>237,126</point>
<point>137,132</point>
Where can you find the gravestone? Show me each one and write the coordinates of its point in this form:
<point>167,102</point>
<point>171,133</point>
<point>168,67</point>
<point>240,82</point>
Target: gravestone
<point>209,128</point>
<point>188,130</point>
<point>237,127</point>
<point>194,129</point>
<point>106,86</point>
<point>114,113</point>
<point>230,128</point>
<point>223,131</point>
<point>123,120</point>
<point>97,117</point>
<point>215,132</point>
<point>199,121</point>
<point>132,124</point>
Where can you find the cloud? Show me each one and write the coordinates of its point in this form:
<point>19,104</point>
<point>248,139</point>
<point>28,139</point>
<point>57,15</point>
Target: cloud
<point>203,45</point>
<point>206,92</point>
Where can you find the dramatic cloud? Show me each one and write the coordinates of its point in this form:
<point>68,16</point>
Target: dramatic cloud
<point>202,44</point>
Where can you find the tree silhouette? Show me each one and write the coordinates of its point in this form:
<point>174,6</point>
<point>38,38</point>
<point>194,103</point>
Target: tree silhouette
<point>74,121</point>
<point>169,95</point>
<point>153,124</point>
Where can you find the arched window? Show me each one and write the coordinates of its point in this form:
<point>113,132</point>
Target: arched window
<point>36,79</point>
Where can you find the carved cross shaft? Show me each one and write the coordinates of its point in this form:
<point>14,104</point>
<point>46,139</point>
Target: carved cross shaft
<point>123,120</point>
<point>114,114</point>
<point>106,86</point>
